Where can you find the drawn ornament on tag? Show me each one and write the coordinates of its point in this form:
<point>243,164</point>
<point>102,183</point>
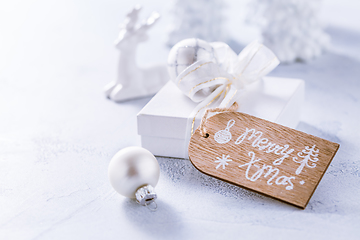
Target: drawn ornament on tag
<point>224,136</point>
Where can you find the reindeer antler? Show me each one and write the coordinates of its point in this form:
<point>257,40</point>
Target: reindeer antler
<point>131,18</point>
<point>146,24</point>
<point>130,27</point>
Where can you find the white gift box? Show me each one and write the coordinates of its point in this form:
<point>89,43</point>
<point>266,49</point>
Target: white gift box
<point>162,122</point>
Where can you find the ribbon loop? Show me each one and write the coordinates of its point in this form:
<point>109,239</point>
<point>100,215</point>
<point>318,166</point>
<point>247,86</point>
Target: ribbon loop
<point>254,62</point>
<point>230,72</point>
<point>219,79</point>
<point>200,79</point>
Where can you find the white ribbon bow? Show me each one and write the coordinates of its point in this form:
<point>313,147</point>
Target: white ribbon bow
<point>219,84</point>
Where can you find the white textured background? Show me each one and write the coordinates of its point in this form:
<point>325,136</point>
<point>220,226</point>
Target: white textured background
<point>58,133</point>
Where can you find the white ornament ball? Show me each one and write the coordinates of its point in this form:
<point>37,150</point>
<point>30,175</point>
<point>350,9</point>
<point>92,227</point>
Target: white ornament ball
<point>132,168</point>
<point>186,52</point>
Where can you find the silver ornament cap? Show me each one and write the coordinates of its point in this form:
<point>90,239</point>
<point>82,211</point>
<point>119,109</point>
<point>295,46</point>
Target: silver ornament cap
<point>145,195</point>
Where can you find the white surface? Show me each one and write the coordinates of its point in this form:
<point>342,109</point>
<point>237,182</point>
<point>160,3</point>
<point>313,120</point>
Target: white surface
<point>162,122</point>
<point>58,133</point>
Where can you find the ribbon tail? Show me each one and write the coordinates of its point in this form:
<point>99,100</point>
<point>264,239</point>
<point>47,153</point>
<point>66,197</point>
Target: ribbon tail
<point>231,97</point>
<point>191,120</point>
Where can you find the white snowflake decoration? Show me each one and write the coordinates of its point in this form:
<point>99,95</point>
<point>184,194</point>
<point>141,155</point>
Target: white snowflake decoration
<point>290,28</point>
<point>222,161</point>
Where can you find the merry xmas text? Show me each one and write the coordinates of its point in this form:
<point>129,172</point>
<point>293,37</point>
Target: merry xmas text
<point>254,171</point>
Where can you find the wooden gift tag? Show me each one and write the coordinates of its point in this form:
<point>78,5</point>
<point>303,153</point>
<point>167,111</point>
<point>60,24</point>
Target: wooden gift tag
<point>262,156</point>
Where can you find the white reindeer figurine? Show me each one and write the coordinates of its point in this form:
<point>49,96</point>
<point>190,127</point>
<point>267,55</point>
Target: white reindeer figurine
<point>132,81</point>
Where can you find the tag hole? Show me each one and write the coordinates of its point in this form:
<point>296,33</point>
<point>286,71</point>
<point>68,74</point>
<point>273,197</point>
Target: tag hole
<point>206,135</point>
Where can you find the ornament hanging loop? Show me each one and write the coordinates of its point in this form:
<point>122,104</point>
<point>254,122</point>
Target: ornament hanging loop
<point>152,203</point>
<point>230,124</point>
<point>202,128</point>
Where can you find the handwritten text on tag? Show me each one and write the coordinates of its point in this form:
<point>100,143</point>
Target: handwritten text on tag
<point>269,158</point>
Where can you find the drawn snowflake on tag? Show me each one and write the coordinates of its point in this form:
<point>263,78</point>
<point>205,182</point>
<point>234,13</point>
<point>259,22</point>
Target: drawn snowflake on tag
<point>224,136</point>
<point>223,161</point>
